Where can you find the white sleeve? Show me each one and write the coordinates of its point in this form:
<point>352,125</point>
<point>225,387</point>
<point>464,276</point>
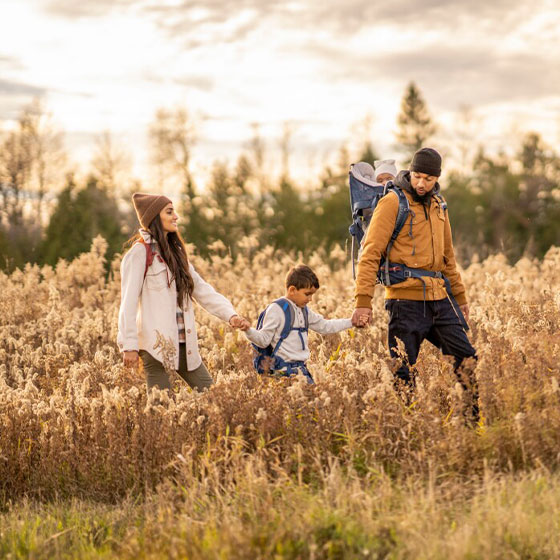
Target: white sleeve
<point>208,298</point>
<point>321,325</point>
<point>133,266</point>
<point>272,321</point>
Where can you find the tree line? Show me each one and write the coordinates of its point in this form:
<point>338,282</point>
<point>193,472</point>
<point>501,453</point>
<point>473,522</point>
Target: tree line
<point>497,203</point>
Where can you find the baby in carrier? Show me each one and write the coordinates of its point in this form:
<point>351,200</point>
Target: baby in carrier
<point>384,171</point>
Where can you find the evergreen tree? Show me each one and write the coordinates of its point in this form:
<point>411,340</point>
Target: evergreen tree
<point>79,216</point>
<point>290,224</point>
<point>414,120</point>
<point>368,154</point>
<point>539,195</point>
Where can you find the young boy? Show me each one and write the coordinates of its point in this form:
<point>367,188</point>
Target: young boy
<point>290,357</point>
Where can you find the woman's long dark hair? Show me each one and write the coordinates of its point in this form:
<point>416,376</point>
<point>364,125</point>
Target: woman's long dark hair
<point>174,253</point>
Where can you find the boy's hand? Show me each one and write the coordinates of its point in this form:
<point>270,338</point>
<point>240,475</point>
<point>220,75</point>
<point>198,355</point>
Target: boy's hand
<point>363,320</point>
<point>361,317</point>
<point>240,323</point>
<point>130,358</point>
<point>267,363</point>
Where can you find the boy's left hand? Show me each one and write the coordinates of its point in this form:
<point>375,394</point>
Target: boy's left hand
<point>240,323</point>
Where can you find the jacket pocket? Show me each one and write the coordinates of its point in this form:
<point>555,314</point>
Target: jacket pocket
<point>156,277</point>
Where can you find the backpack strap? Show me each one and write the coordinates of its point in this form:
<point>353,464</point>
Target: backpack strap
<point>402,215</point>
<point>305,327</point>
<point>403,211</point>
<point>289,317</point>
<point>441,201</point>
<point>149,255</point>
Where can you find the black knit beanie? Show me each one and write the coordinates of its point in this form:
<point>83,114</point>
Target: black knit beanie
<point>426,160</point>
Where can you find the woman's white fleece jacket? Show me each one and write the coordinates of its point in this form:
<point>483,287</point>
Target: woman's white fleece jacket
<point>150,304</point>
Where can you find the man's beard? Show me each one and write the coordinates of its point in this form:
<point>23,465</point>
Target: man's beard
<point>422,199</point>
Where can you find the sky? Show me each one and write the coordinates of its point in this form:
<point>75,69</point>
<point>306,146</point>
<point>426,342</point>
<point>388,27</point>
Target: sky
<point>336,70</point>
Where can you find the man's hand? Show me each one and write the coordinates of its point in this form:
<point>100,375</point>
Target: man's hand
<point>130,358</point>
<point>361,317</point>
<point>465,311</point>
<point>240,323</point>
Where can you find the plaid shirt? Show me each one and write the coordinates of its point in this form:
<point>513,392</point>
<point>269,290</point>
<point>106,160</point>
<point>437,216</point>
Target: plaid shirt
<point>181,325</point>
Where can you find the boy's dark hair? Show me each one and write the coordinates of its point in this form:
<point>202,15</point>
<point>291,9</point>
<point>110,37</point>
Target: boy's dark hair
<point>300,277</point>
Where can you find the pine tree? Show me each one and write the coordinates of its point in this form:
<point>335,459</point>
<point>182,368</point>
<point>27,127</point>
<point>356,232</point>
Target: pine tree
<point>368,154</point>
<point>79,216</point>
<point>414,120</point>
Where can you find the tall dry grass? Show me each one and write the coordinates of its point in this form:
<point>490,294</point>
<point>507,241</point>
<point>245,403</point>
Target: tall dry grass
<point>76,425</point>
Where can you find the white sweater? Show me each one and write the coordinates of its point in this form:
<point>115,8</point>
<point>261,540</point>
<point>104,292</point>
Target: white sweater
<point>150,304</point>
<point>292,349</point>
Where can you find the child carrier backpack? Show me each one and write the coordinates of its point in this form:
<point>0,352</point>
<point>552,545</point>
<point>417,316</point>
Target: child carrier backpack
<point>265,358</point>
<point>365,193</point>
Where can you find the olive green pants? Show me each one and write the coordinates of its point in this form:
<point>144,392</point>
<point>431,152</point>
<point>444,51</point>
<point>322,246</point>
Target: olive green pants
<point>156,376</point>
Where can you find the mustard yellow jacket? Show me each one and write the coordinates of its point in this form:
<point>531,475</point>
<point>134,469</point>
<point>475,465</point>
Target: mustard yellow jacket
<point>427,245</point>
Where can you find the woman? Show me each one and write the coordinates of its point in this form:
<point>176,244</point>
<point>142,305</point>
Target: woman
<point>158,286</point>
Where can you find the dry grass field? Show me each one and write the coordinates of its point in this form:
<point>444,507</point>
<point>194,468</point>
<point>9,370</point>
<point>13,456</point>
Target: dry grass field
<point>90,467</point>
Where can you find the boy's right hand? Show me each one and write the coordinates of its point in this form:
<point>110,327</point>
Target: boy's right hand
<point>130,358</point>
<point>361,317</point>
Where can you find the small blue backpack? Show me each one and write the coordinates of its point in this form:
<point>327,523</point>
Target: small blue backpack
<point>269,353</point>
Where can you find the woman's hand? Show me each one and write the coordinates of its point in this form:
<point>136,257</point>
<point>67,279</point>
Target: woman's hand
<point>238,322</point>
<point>130,358</point>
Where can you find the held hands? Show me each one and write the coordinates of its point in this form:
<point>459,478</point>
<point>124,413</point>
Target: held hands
<point>130,358</point>
<point>240,323</point>
<point>361,317</point>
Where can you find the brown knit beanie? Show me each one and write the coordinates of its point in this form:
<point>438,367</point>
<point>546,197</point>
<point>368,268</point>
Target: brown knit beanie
<point>148,206</point>
<point>426,160</point>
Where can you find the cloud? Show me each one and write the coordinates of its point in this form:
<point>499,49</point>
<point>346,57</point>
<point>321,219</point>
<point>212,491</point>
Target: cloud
<point>14,95</point>
<point>84,8</point>
<point>201,82</point>
<point>8,88</point>
<point>476,76</point>
<point>452,76</point>
<point>10,63</point>
<point>339,17</point>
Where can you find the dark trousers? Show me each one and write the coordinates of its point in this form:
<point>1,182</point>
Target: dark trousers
<point>436,321</point>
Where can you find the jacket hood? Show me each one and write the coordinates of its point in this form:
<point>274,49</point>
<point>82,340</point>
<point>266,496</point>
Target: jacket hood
<point>402,180</point>
<point>146,235</point>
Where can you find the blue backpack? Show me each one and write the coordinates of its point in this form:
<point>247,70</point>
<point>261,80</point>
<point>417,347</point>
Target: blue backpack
<point>269,353</point>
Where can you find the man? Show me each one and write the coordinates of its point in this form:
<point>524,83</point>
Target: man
<point>420,308</point>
